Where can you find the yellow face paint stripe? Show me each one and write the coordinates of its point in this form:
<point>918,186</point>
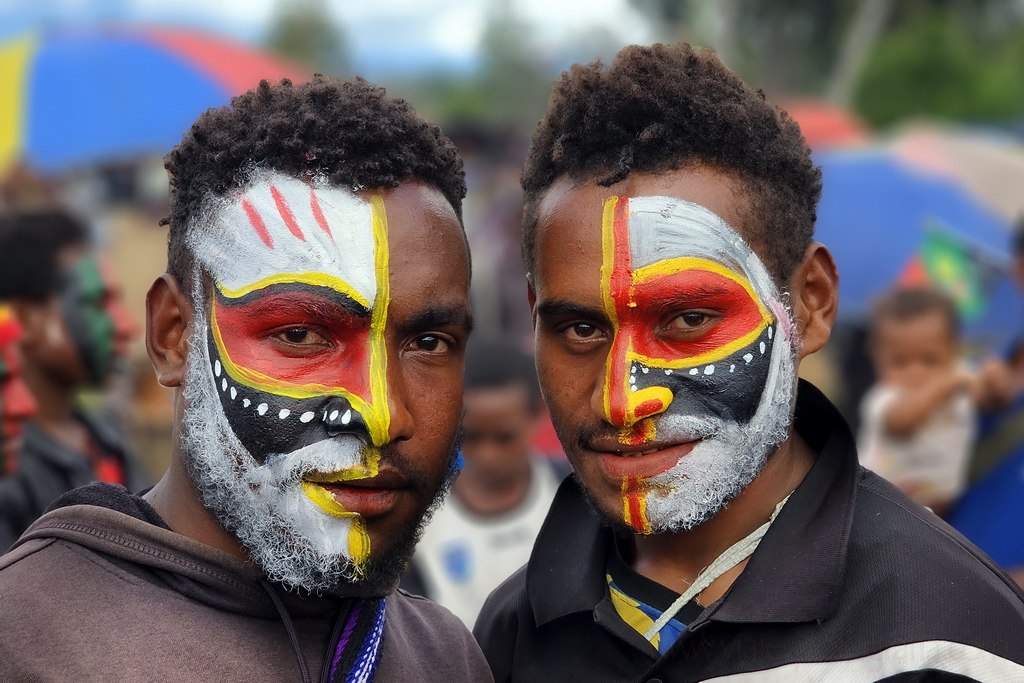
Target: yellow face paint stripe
<point>674,265</point>
<point>607,267</point>
<point>358,538</point>
<point>15,57</point>
<point>314,279</point>
<point>378,319</point>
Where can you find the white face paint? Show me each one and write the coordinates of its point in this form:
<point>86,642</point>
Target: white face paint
<point>730,384</point>
<point>264,505</point>
<point>272,421</point>
<point>280,225</point>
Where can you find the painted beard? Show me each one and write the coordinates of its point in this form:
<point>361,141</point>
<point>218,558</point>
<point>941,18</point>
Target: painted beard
<point>731,452</point>
<point>264,506</point>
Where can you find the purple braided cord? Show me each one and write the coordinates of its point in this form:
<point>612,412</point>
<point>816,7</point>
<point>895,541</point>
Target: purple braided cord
<point>353,617</point>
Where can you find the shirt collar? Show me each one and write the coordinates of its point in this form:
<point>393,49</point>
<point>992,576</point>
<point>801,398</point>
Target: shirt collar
<point>796,573</point>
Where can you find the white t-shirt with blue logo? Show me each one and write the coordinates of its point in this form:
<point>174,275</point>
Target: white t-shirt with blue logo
<point>462,556</point>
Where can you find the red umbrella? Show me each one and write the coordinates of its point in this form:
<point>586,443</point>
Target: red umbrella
<point>826,125</point>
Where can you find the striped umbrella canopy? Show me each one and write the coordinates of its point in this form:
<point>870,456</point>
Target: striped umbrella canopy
<point>72,96</point>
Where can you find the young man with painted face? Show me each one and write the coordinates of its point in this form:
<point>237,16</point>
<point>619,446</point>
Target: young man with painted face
<point>74,331</point>
<point>675,286</point>
<point>312,322</point>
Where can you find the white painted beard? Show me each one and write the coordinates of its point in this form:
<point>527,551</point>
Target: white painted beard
<point>295,542</point>
<point>728,457</point>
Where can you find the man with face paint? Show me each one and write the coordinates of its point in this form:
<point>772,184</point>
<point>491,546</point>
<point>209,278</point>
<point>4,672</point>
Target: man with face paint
<point>75,330</point>
<point>675,286</point>
<point>312,322</point>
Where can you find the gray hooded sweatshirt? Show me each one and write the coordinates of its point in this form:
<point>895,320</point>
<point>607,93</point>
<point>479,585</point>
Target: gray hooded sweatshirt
<point>98,589</point>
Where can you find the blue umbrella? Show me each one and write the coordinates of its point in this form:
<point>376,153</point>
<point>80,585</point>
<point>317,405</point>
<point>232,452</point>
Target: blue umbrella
<point>876,214</point>
<point>77,95</point>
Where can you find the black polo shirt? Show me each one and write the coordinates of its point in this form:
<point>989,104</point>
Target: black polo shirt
<point>852,582</point>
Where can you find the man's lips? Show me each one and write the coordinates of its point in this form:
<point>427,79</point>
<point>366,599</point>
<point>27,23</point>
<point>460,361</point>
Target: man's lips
<point>366,496</point>
<point>643,461</point>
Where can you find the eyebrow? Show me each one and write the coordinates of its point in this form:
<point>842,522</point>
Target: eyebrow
<point>456,315</point>
<point>559,308</point>
<point>312,298</point>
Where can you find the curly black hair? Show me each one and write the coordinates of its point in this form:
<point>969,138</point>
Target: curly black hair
<point>349,132</point>
<point>660,108</point>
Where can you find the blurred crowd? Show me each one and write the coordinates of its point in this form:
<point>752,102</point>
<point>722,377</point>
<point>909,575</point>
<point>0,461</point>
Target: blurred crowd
<point>78,401</point>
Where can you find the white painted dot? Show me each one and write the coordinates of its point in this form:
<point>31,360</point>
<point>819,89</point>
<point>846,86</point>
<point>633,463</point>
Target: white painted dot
<point>262,408</point>
<point>633,388</point>
<point>216,368</point>
<point>747,357</point>
<point>709,370</point>
<point>632,380</point>
<point>732,368</point>
<point>334,415</point>
<point>307,416</point>
<point>762,347</point>
<point>284,413</point>
<point>645,369</point>
<point>246,403</point>
<point>769,332</point>
<point>668,372</point>
<point>325,416</point>
<point>694,371</point>
<point>224,384</point>
<point>347,417</point>
<point>632,370</point>
<point>234,393</point>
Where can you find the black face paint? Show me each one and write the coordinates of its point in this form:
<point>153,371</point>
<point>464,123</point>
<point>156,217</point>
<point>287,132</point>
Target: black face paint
<point>728,389</point>
<point>267,423</point>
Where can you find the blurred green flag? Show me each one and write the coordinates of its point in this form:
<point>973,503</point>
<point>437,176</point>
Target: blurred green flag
<point>948,262</point>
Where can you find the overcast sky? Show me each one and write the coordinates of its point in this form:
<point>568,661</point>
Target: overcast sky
<point>382,34</point>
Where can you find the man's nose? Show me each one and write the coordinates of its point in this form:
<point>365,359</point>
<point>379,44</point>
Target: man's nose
<point>401,423</point>
<point>618,399</point>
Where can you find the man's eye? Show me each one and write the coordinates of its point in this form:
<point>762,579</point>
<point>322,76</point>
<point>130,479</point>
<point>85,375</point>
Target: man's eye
<point>300,336</point>
<point>431,343</point>
<point>689,320</point>
<point>582,332</point>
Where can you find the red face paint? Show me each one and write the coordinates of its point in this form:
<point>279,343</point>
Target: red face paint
<point>332,346</point>
<point>16,402</point>
<point>647,305</point>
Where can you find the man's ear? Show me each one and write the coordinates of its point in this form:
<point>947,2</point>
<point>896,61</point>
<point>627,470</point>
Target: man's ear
<point>168,317</point>
<point>815,297</point>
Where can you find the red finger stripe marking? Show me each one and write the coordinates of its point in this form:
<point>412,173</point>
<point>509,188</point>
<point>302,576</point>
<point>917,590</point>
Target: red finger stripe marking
<point>318,214</point>
<point>257,223</point>
<point>286,213</point>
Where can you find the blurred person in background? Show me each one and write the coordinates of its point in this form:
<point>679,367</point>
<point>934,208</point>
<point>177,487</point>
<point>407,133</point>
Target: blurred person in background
<point>75,331</point>
<point>718,525</point>
<point>16,406</point>
<point>312,323</point>
<point>486,527</point>
<point>990,513</point>
<point>917,422</point>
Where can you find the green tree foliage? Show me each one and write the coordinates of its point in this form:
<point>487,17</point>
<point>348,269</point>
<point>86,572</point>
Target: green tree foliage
<point>303,32</point>
<point>938,64</point>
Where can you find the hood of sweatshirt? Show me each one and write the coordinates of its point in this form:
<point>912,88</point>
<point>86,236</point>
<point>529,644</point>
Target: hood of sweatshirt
<point>109,520</point>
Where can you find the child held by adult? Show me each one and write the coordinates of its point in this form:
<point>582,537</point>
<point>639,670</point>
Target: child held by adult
<point>918,421</point>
